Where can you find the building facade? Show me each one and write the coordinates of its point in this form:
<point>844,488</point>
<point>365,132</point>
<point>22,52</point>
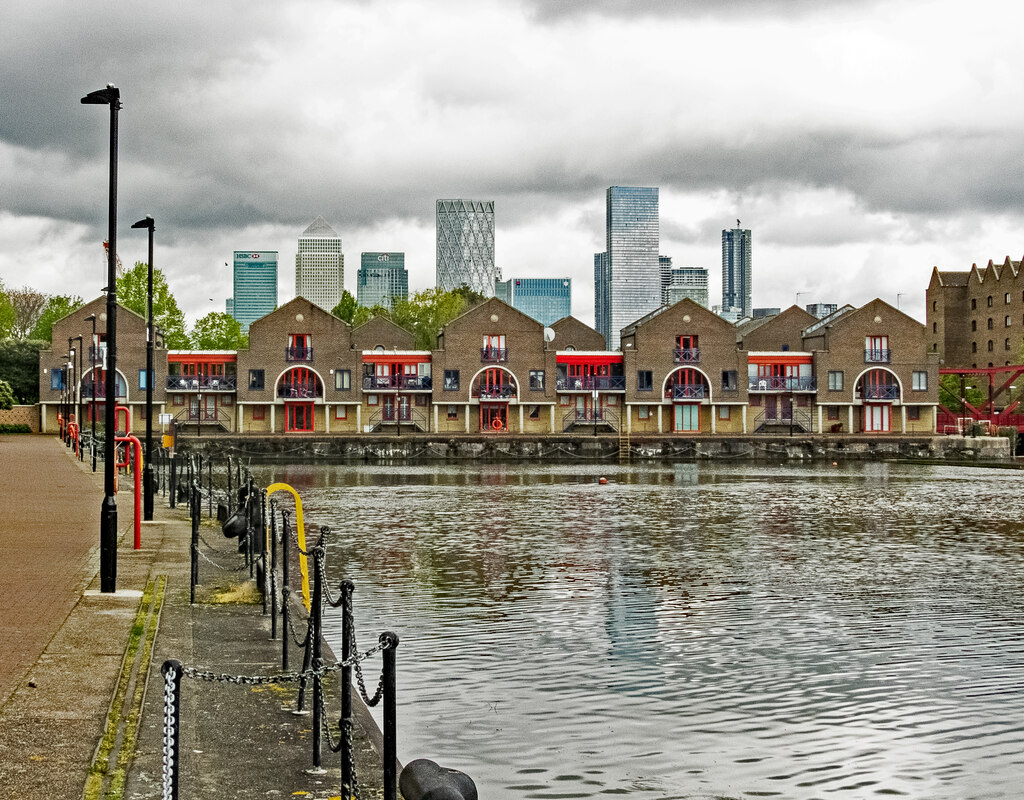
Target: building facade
<point>687,282</point>
<point>382,278</point>
<point>602,287</point>
<point>633,274</point>
<point>737,271</point>
<point>821,310</point>
<point>465,245</point>
<point>255,285</point>
<point>320,265</point>
<point>544,299</point>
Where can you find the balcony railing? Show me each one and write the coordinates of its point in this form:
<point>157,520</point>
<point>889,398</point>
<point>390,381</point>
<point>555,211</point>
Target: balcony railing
<point>686,391</point>
<point>303,354</point>
<point>394,382</point>
<point>500,392</point>
<point>589,383</point>
<point>101,390</point>
<point>590,416</point>
<point>877,356</point>
<point>882,392</point>
<point>298,391</point>
<point>96,354</point>
<point>687,355</point>
<point>493,355</point>
<point>777,383</point>
<point>399,416</point>
<point>202,383</point>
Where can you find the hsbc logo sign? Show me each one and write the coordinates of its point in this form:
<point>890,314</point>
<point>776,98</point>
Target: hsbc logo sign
<point>248,255</point>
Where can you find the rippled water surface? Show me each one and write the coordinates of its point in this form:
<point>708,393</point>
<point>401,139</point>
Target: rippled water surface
<point>694,631</point>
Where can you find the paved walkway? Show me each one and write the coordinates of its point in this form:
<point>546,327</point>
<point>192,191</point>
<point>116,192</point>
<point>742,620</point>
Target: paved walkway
<point>75,715</point>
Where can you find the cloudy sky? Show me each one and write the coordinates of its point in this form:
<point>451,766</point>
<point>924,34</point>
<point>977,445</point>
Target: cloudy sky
<point>862,142</point>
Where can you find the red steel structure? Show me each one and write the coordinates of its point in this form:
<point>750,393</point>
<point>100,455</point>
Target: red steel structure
<point>1000,409</point>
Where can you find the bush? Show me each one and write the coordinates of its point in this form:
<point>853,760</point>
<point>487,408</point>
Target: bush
<point>19,428</point>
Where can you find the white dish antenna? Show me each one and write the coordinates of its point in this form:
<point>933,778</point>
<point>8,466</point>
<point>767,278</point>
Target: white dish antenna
<point>549,335</point>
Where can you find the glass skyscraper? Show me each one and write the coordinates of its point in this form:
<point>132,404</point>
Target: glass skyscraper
<point>547,300</point>
<point>255,285</point>
<point>630,286</point>
<point>736,271</point>
<point>465,246</point>
<point>320,265</point>
<point>382,277</point>
<point>691,282</point>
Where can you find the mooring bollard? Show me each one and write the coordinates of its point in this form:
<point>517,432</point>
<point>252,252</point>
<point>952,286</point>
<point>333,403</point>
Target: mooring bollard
<point>263,548</point>
<point>285,589</point>
<point>209,469</point>
<point>273,568</point>
<point>347,789</point>
<point>314,634</point>
<point>195,543</point>
<point>422,779</point>
<point>172,671</point>
<point>390,715</point>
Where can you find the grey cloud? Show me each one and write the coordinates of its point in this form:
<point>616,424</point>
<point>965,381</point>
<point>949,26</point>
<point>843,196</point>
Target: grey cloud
<point>557,10</point>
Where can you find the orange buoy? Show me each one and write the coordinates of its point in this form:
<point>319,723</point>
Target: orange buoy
<point>602,481</point>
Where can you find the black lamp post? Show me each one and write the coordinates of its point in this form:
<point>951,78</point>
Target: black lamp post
<point>70,390</point>
<point>76,394</point>
<point>92,383</point>
<point>147,469</point>
<point>111,96</point>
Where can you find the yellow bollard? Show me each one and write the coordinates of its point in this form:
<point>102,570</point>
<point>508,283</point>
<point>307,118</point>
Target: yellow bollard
<point>300,530</point>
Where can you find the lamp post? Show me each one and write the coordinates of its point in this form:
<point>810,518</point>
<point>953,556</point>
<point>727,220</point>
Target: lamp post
<point>147,469</point>
<point>92,383</point>
<point>111,96</point>
<point>70,394</point>
<point>76,396</point>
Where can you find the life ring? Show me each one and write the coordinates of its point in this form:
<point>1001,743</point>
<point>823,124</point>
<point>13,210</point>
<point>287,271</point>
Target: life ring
<point>496,424</point>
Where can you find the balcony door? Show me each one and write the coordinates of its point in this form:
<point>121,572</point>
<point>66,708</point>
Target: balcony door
<point>687,417</point>
<point>298,417</point>
<point>877,417</point>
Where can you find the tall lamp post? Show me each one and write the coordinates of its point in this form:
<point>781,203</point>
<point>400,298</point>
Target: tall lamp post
<point>70,391</point>
<point>147,469</point>
<point>111,96</point>
<point>93,347</point>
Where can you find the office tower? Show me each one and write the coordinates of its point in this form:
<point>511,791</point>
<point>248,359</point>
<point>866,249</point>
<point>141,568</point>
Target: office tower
<point>320,265</point>
<point>633,270</point>
<point>602,322</point>
<point>691,282</point>
<point>465,246</point>
<point>736,270</point>
<point>821,310</point>
<point>255,285</point>
<point>762,313</point>
<point>229,307</point>
<point>382,278</point>
<point>547,300</point>
<point>665,274</point>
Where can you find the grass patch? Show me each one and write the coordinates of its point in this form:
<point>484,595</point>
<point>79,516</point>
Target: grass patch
<point>246,593</point>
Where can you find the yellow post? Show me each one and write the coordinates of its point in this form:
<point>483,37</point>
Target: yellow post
<point>300,530</point>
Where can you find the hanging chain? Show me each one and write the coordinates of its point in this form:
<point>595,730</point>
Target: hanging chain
<point>350,623</point>
<point>169,754</point>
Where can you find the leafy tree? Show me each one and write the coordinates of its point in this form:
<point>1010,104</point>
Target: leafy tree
<point>6,396</point>
<point>57,307</point>
<point>6,314</point>
<point>426,312</point>
<point>19,366</point>
<point>346,308</point>
<point>132,292</point>
<point>218,331</point>
<point>28,305</point>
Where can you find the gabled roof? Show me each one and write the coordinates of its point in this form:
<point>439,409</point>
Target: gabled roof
<point>319,229</point>
<point>825,322</point>
<point>952,279</point>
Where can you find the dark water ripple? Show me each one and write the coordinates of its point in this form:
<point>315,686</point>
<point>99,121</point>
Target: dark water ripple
<point>695,631</point>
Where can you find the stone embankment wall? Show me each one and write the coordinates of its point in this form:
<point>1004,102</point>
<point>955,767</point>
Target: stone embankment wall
<point>436,447</point>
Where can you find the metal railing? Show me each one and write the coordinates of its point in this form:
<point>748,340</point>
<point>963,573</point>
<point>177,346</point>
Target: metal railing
<point>409,382</point>
<point>399,416</point>
<point>590,416</point>
<point>203,416</point>
<point>204,383</point>
<point>589,383</point>
<point>780,383</point>
<point>502,391</point>
<point>493,355</point>
<point>298,391</point>
<point>877,356</point>
<point>686,391</point>
<point>303,354</point>
<point>882,392</point>
<point>686,355</point>
<point>794,418</point>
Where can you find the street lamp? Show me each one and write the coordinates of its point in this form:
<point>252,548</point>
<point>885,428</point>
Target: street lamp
<point>147,469</point>
<point>111,96</point>
<point>92,383</point>
<point>76,396</point>
<point>70,391</point>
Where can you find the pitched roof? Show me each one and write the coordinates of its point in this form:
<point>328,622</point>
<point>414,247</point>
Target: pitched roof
<point>319,229</point>
<point>953,278</point>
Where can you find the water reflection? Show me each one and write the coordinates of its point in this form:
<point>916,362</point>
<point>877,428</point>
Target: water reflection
<point>694,630</point>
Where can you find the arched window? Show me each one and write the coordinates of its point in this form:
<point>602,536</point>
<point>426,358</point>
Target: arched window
<point>990,323</point>
<point>990,346</point>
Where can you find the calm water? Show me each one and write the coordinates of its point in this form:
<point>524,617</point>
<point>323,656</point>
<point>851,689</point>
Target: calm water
<point>694,631</point>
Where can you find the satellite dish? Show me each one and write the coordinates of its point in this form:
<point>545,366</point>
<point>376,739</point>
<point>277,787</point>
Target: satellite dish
<point>549,335</point>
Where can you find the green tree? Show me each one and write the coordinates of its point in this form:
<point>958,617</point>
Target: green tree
<point>19,366</point>
<point>218,331</point>
<point>6,314</point>
<point>132,292</point>
<point>426,312</point>
<point>57,307</point>
<point>28,305</point>
<point>6,396</point>
<point>346,308</point>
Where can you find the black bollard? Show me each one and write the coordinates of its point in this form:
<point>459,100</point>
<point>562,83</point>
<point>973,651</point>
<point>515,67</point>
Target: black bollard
<point>173,487</point>
<point>347,789</point>
<point>390,701</point>
<point>285,590</point>
<point>318,688</point>
<point>263,548</point>
<point>172,671</point>
<point>196,510</point>
<point>422,779</point>
<point>209,469</point>
<point>273,569</point>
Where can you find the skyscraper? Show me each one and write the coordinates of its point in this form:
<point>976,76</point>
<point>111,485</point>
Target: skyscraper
<point>320,265</point>
<point>602,281</point>
<point>465,245</point>
<point>691,282</point>
<point>255,285</point>
<point>633,271</point>
<point>736,271</point>
<point>547,300</point>
<point>382,278</point>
